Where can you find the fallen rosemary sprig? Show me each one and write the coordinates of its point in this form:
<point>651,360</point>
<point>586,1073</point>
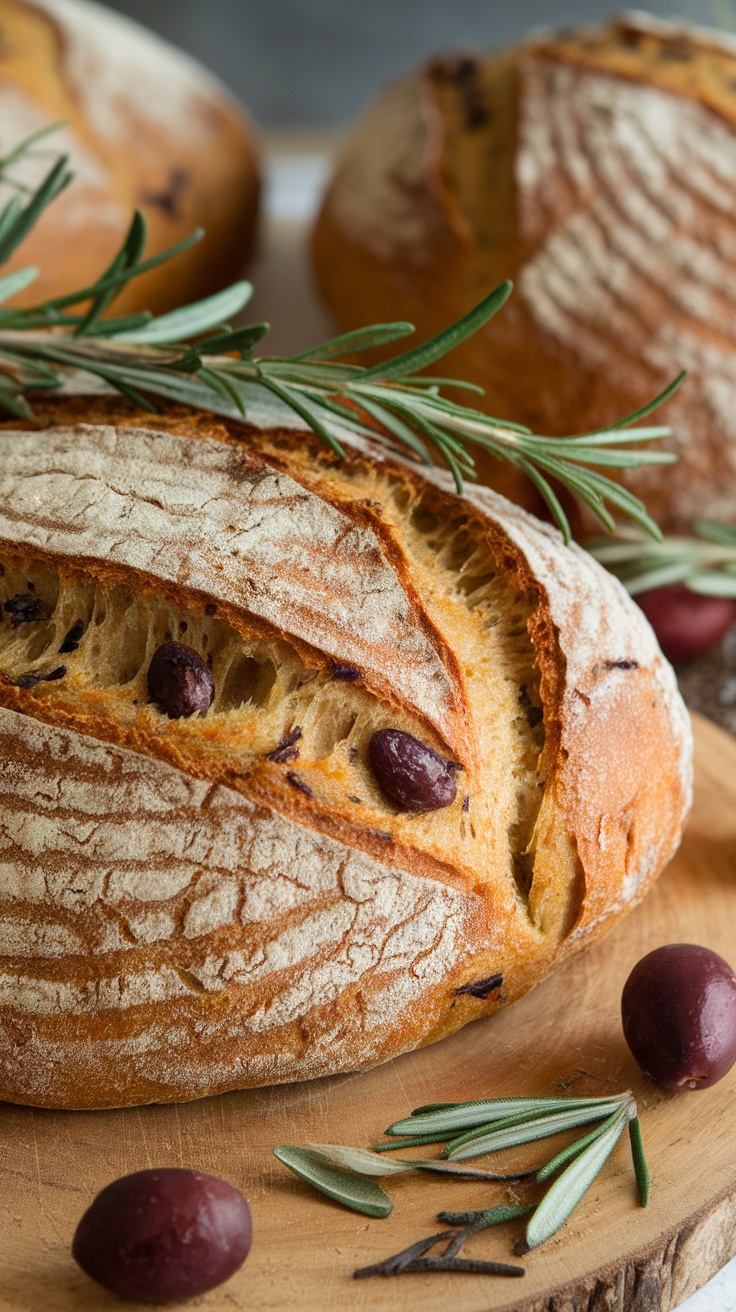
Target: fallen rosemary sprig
<point>394,403</point>
<point>705,563</point>
<point>347,1175</point>
<point>414,1258</point>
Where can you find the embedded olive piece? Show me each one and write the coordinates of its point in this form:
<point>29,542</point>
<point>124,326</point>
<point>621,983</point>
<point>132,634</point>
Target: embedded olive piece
<point>411,772</point>
<point>686,623</point>
<point>160,1236</point>
<point>679,1014</point>
<point>179,681</point>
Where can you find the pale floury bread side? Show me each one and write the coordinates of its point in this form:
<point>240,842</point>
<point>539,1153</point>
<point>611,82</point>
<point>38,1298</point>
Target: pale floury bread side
<point>145,127</point>
<point>195,903</point>
<point>596,168</point>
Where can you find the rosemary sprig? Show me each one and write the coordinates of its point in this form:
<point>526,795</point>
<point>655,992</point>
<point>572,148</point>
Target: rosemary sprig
<point>488,1125</point>
<point>414,1258</point>
<point>705,563</point>
<point>193,356</point>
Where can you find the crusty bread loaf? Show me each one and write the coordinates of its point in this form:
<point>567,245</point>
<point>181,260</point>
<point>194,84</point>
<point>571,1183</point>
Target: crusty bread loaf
<point>598,170</point>
<point>189,905</point>
<point>146,127</point>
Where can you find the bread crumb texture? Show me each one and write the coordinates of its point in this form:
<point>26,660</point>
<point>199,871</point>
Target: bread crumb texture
<point>196,904</point>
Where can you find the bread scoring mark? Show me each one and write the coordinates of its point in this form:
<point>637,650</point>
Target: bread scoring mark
<point>269,709</point>
<point>627,197</point>
<point>251,905</point>
<point>215,520</point>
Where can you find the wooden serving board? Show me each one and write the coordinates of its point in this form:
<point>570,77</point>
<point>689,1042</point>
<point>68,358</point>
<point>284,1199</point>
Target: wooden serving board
<point>611,1255</point>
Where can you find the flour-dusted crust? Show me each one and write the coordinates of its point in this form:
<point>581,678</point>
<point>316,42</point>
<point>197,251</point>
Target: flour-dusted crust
<point>145,127</point>
<point>186,909</point>
<point>598,170</point>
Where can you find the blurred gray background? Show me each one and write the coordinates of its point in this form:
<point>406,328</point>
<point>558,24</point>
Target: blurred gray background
<point>318,62</point>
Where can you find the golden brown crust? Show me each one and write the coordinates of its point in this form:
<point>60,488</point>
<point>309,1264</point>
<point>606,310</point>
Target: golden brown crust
<point>596,170</point>
<point>147,128</point>
<point>178,915</point>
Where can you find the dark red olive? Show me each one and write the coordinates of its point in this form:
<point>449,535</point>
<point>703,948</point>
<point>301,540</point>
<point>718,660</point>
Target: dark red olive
<point>679,1013</point>
<point>410,772</point>
<point>159,1236</point>
<point>179,681</point>
<point>686,624</point>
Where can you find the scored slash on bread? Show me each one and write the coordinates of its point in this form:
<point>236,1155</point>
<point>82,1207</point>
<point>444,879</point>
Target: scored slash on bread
<point>215,901</point>
<point>597,169</point>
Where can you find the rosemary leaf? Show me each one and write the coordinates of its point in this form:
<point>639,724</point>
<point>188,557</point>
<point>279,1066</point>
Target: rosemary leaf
<point>643,1179</point>
<point>360,339</point>
<point>129,255</point>
<point>724,533</point>
<point>192,320</point>
<point>452,1117</point>
<point>489,1216</point>
<point>564,1195</point>
<point>220,382</point>
<point>654,404</point>
<point>306,410</point>
<point>23,219</point>
<point>416,1141</point>
<point>357,1192</point>
<point>397,426</point>
<point>17,281</point>
<point>366,1162</point>
<point>476,1142</point>
<point>421,357</point>
<point>360,1160</point>
<point>572,1150</point>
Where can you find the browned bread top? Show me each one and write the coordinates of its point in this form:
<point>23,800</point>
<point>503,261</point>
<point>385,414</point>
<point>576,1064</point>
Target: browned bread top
<point>596,169</point>
<point>145,127</point>
<point>331,600</point>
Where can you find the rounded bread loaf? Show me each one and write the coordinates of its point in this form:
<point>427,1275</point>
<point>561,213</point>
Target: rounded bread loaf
<point>596,168</point>
<point>195,904</point>
<point>145,127</point>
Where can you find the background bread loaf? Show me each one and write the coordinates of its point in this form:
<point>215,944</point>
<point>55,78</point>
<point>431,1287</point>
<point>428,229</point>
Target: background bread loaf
<point>598,170</point>
<point>194,904</point>
<point>145,127</point>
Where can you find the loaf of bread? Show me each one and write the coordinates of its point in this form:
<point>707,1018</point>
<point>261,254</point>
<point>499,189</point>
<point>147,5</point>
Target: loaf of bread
<point>144,126</point>
<point>598,170</point>
<point>303,763</point>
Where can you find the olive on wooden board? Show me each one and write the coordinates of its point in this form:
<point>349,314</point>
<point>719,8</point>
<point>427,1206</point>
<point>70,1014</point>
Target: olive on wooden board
<point>161,1235</point>
<point>679,1014</point>
<point>686,623</point>
<point>411,772</point>
<point>179,681</point>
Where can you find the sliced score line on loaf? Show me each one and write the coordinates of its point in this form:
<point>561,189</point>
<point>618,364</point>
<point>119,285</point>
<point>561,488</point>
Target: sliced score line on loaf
<point>286,726</point>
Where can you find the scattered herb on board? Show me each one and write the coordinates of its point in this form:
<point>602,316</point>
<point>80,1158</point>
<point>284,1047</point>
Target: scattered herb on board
<point>705,563</point>
<point>393,403</point>
<point>472,1129</point>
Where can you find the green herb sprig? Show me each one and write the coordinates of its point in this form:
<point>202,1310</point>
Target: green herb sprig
<point>705,563</point>
<point>472,1129</point>
<point>194,356</point>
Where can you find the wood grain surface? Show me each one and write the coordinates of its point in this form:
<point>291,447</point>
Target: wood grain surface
<point>612,1256</point>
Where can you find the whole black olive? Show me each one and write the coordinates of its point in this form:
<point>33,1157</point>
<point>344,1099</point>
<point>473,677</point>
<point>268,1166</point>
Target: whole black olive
<point>679,1014</point>
<point>410,772</point>
<point>179,681</point>
<point>159,1236</point>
